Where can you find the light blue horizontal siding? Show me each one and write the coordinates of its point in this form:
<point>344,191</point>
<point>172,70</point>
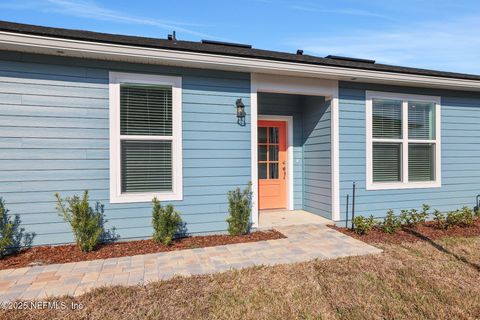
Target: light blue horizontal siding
<point>460,134</point>
<point>288,105</point>
<point>316,153</point>
<point>54,137</point>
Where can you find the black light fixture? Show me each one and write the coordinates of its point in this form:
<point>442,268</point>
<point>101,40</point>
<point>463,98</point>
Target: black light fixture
<point>240,112</point>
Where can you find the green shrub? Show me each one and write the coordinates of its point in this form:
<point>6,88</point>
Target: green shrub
<point>423,215</point>
<point>239,206</point>
<point>12,236</point>
<point>86,222</point>
<point>468,216</point>
<point>390,223</point>
<point>440,219</point>
<point>464,217</point>
<point>362,225</point>
<point>6,230</point>
<point>412,217</point>
<point>404,217</point>
<point>166,222</point>
<point>453,218</point>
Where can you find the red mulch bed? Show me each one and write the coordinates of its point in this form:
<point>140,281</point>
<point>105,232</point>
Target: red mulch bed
<point>425,231</point>
<point>71,253</point>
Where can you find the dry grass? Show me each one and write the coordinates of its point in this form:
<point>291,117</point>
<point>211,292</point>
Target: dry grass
<point>422,280</point>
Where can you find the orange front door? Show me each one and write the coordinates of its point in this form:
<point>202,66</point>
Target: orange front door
<point>272,164</point>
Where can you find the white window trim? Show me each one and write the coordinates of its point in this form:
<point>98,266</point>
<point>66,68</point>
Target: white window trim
<point>116,196</point>
<point>404,184</point>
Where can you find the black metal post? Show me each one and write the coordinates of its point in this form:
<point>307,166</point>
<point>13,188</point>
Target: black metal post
<point>477,205</point>
<point>353,203</point>
<point>346,218</point>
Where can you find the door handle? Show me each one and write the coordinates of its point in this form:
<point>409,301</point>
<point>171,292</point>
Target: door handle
<point>284,170</point>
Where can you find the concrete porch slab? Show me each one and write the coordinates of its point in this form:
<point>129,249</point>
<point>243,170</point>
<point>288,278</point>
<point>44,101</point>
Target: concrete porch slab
<point>276,218</point>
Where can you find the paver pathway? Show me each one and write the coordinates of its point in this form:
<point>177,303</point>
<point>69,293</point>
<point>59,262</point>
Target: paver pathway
<point>303,243</point>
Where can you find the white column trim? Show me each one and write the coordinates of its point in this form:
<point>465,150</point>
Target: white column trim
<point>254,151</point>
<point>335,154</point>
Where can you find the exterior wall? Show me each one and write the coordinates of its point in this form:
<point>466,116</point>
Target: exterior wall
<point>460,155</point>
<point>288,105</point>
<point>317,156</point>
<point>54,137</point>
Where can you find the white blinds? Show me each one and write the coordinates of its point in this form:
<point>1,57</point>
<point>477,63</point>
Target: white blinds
<point>387,119</point>
<point>146,166</point>
<point>146,162</point>
<point>421,161</point>
<point>386,162</point>
<point>420,120</point>
<point>145,110</point>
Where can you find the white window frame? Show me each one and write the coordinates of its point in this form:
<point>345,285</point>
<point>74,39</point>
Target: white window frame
<point>405,183</point>
<point>116,195</point>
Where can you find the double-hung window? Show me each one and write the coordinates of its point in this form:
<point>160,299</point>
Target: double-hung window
<point>145,137</point>
<point>403,141</point>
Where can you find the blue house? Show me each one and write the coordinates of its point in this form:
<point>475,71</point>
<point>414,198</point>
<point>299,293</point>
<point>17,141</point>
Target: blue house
<point>132,118</point>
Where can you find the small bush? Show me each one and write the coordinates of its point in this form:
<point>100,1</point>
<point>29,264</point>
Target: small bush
<point>440,219</point>
<point>86,222</point>
<point>166,222</point>
<point>423,215</point>
<point>453,218</point>
<point>468,216</point>
<point>412,217</point>
<point>362,225</point>
<point>464,217</point>
<point>404,217</point>
<point>390,223</point>
<point>239,206</point>
<point>12,236</point>
<point>6,230</point>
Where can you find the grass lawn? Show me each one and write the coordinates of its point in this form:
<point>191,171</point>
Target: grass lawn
<point>423,280</point>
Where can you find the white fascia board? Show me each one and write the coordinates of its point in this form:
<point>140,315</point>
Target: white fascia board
<point>106,51</point>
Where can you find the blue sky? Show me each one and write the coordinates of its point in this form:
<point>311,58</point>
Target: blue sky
<point>434,34</point>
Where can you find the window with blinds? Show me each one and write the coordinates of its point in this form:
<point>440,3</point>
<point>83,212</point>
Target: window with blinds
<point>421,162</point>
<point>387,130</point>
<point>146,165</point>
<point>387,159</point>
<point>421,116</point>
<point>387,119</point>
<point>145,110</point>
<point>404,143</point>
<point>146,138</point>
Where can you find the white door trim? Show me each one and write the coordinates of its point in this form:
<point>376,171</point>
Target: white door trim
<point>290,174</point>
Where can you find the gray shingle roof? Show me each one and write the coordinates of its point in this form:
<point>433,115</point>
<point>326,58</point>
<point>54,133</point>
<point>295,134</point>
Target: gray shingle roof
<point>219,49</point>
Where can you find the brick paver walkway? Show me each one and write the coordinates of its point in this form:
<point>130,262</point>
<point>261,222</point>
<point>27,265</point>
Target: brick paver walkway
<point>303,243</point>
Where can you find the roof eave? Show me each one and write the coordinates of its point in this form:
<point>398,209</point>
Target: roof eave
<point>107,51</point>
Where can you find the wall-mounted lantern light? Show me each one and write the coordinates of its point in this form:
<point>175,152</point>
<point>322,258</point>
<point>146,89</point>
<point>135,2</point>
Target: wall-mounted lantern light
<point>240,112</point>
